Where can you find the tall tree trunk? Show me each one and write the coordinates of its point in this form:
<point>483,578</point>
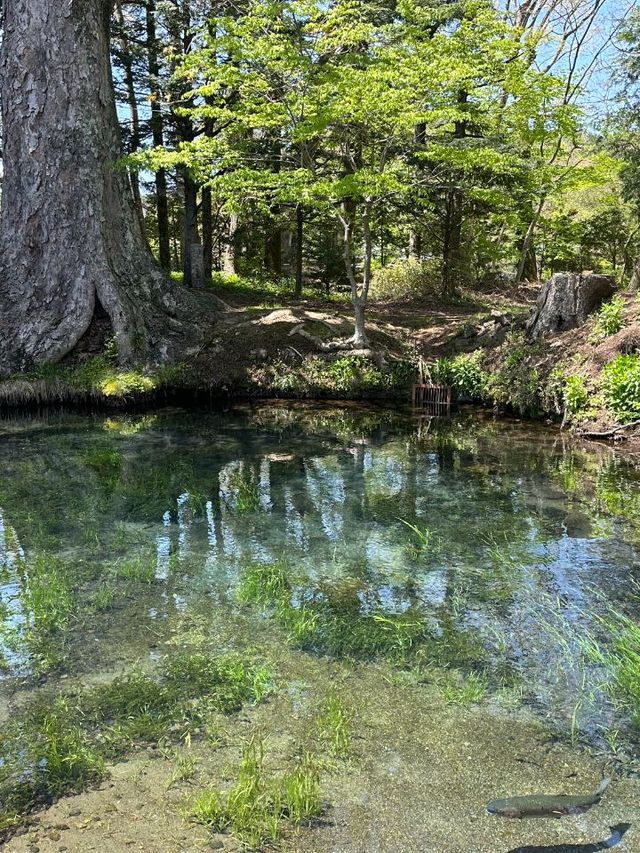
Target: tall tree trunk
<point>191,238</point>
<point>415,244</point>
<point>207,233</point>
<point>634,284</point>
<point>454,270</point>
<point>69,236</point>
<point>299,248</point>
<point>527,242</point>
<point>157,132</point>
<point>452,264</point>
<point>126,58</point>
<point>273,251</point>
<point>229,253</point>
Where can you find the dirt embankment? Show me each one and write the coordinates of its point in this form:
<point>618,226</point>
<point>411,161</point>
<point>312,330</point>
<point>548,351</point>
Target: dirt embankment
<point>299,349</point>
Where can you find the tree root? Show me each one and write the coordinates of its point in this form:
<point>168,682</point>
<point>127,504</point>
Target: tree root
<point>617,433</point>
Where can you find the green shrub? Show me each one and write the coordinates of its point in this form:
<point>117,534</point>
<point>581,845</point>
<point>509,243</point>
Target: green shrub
<point>575,394</point>
<point>403,279</point>
<point>621,387</point>
<point>517,383</point>
<point>350,375</point>
<point>465,374</point>
<point>469,378</point>
<point>609,319</point>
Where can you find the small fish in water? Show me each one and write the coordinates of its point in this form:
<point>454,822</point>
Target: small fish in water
<point>546,805</point>
<point>615,838</point>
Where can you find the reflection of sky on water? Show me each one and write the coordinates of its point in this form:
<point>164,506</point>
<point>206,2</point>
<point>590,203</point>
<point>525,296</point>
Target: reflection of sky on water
<point>507,540</point>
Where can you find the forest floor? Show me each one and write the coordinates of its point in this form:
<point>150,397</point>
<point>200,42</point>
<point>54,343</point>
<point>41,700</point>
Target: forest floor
<point>268,344</point>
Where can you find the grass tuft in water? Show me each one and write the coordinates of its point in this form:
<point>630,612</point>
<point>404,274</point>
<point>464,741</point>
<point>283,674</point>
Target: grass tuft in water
<point>424,540</point>
<point>464,690</point>
<point>141,569</point>
<point>258,806</point>
<point>36,627</point>
<point>334,727</point>
<point>620,658</point>
<point>58,743</point>
<point>330,620</point>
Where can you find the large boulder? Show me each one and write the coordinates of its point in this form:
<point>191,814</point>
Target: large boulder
<point>566,300</point>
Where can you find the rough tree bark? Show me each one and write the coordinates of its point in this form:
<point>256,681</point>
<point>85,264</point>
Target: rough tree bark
<point>69,236</point>
<point>157,132</point>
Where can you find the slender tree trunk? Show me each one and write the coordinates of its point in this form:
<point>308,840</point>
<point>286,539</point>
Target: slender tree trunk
<point>69,237</point>
<point>454,271</point>
<point>634,284</point>
<point>191,238</point>
<point>273,252</point>
<point>126,59</point>
<point>229,253</point>
<point>359,292</point>
<point>299,248</point>
<point>528,241</point>
<point>415,244</point>
<point>452,266</point>
<point>207,233</point>
<point>157,132</point>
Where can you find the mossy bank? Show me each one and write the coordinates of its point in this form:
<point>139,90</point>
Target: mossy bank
<point>273,346</point>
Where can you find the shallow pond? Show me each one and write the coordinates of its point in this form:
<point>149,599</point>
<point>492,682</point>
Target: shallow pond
<point>461,595</point>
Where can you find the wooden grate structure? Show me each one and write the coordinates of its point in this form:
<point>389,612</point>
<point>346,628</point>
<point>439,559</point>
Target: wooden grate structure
<point>435,399</point>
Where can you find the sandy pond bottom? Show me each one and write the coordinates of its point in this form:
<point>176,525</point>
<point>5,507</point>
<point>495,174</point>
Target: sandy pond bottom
<point>418,778</point>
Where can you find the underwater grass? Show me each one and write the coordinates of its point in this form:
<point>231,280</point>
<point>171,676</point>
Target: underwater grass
<point>619,655</point>
<point>36,627</point>
<point>464,690</point>
<point>58,743</point>
<point>330,620</point>
<point>258,807</point>
<point>424,539</point>
<point>334,726</point>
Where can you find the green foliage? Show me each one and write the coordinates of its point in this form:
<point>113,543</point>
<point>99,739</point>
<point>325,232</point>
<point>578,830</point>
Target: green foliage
<point>517,382</point>
<point>620,384</point>
<point>575,394</point>
<point>101,375</point>
<point>58,744</point>
<point>609,319</point>
<point>258,805</point>
<point>468,377</point>
<point>349,375</point>
<point>404,279</point>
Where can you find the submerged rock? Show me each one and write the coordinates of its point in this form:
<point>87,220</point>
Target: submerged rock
<point>566,300</point>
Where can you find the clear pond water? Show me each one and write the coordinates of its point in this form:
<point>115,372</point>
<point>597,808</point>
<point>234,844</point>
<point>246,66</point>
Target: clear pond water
<point>457,575</point>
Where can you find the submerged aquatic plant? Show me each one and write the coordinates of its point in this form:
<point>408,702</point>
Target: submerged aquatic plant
<point>425,540</point>
<point>331,620</point>
<point>619,655</point>
<point>58,743</point>
<point>334,726</point>
<point>465,690</point>
<point>36,626</point>
<point>257,805</point>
